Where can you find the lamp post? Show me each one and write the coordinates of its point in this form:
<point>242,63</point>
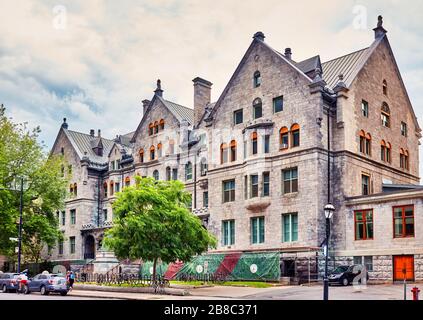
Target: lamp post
<point>329,209</point>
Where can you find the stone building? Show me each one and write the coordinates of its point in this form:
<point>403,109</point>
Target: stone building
<point>283,139</point>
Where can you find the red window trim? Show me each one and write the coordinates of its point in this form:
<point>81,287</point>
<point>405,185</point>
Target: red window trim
<point>403,221</point>
<point>365,223</point>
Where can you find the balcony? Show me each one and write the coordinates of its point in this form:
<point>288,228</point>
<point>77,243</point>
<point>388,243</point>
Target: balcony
<point>257,204</point>
<point>201,212</point>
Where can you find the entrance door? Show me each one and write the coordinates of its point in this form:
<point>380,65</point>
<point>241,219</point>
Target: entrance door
<point>288,268</point>
<point>89,252</point>
<point>403,267</point>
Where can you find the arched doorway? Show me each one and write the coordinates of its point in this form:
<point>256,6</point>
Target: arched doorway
<point>89,251</point>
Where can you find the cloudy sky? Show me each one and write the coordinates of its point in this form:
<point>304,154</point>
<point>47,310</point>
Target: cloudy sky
<point>94,61</point>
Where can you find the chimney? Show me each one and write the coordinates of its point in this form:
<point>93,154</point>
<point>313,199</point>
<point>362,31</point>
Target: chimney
<point>288,53</point>
<point>145,104</point>
<point>64,124</point>
<point>202,97</point>
<point>379,30</point>
<point>259,36</point>
<point>99,133</point>
<point>159,91</point>
<point>92,133</point>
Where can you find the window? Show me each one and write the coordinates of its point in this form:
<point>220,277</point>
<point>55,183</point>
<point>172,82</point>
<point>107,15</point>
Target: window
<point>385,87</point>
<point>257,230</point>
<point>162,124</point>
<point>362,141</point>
<point>203,167</point>
<point>75,189</point>
<point>290,180</point>
<point>388,152</point>
<point>385,115</point>
<point>152,149</point>
<point>205,199</point>
<point>156,174</point>
<point>266,143</point>
<point>363,224</point>
<point>127,182</point>
<point>254,143</point>
<point>365,184</point>
<point>295,133</point>
<point>171,147</point>
<point>70,169</point>
<point>278,104</point>
<point>151,129</point>
<point>168,173</point>
<point>188,171</point>
<point>289,227</point>
<point>105,215</point>
<point>368,144</point>
<point>73,216</point>
<point>112,188</point>
<point>407,164</point>
<point>403,221</point>
<point>404,159</point>
<point>228,191</point>
<point>233,150</point>
<point>189,203</point>
<point>156,127</point>
<point>60,245</point>
<point>71,189</point>
<point>403,129</point>
<point>142,155</point>
<point>223,153</point>
<point>245,149</point>
<point>366,261</point>
<point>175,174</point>
<point>365,108</point>
<point>72,244</point>
<point>245,187</point>
<point>228,232</point>
<point>238,116</point>
<point>266,184</point>
<point>63,218</point>
<point>283,138</point>
<point>257,79</point>
<point>159,150</point>
<point>257,109</point>
<point>105,189</point>
<point>62,151</point>
<point>383,151</point>
<point>254,185</point>
<point>117,187</point>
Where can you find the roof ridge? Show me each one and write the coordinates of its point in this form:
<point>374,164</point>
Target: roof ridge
<point>343,56</point>
<point>87,134</point>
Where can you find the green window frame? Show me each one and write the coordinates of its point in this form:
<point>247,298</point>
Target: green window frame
<point>290,227</point>
<point>72,244</point>
<point>228,232</point>
<point>257,230</point>
<point>73,216</point>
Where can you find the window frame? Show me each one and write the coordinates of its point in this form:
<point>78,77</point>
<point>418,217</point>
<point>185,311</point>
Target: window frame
<point>188,171</point>
<point>364,108</point>
<point>363,174</point>
<point>280,98</point>
<point>237,112</point>
<point>257,223</point>
<point>254,186</point>
<point>72,213</point>
<point>284,192</point>
<point>403,218</point>
<point>228,232</point>
<point>72,245</point>
<point>295,131</point>
<point>365,222</point>
<point>291,227</point>
<point>264,183</point>
<point>231,196</point>
<point>257,79</point>
<point>257,103</point>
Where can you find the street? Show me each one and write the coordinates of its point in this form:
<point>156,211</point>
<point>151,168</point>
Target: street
<point>37,296</point>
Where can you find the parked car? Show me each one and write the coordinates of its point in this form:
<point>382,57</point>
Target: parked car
<point>345,275</point>
<point>46,283</point>
<point>8,282</point>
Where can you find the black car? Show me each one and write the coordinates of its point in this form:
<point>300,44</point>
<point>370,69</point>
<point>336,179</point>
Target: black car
<point>345,275</point>
<point>8,282</point>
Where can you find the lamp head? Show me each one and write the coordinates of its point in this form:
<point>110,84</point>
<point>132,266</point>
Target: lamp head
<point>329,210</point>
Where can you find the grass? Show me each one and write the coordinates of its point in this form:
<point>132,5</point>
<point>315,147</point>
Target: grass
<point>252,284</point>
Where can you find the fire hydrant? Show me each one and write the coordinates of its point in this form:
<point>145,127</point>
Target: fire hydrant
<point>415,292</point>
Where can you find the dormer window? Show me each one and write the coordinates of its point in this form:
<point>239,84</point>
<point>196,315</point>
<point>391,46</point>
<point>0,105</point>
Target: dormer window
<point>257,109</point>
<point>385,87</point>
<point>257,79</point>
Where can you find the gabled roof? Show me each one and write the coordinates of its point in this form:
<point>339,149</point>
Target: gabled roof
<point>179,111</point>
<point>348,65</point>
<point>309,64</point>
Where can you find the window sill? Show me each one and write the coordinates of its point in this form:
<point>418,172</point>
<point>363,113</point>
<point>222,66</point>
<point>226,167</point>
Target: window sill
<point>404,237</point>
<point>290,194</point>
<point>363,239</point>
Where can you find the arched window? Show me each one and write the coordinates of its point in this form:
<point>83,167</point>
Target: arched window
<point>385,115</point>
<point>152,151</point>
<point>257,108</point>
<point>388,153</point>
<point>159,150</point>
<point>156,174</point>
<point>188,171</point>
<point>223,153</point>
<point>105,189</point>
<point>75,189</point>
<point>233,150</point>
<point>162,124</point>
<point>295,135</point>
<point>142,155</point>
<point>112,189</point>
<point>407,160</point>
<point>151,129</point>
<point>385,87</point>
<point>127,182</point>
<point>203,166</point>
<point>283,138</point>
<point>257,79</point>
<point>402,159</point>
<point>168,174</point>
<point>254,143</point>
<point>368,149</point>
<point>171,146</point>
<point>383,150</point>
<point>71,189</point>
<point>362,141</point>
<point>156,127</point>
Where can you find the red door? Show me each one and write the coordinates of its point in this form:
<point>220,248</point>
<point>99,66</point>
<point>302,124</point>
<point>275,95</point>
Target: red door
<point>403,267</point>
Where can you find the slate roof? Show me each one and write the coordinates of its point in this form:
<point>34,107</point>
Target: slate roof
<point>347,65</point>
<point>309,64</point>
<point>179,111</point>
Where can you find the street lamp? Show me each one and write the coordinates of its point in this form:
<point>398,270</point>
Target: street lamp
<point>329,210</point>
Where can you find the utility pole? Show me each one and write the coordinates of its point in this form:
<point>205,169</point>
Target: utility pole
<point>20,227</point>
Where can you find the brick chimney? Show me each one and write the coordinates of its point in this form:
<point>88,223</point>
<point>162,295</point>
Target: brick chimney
<point>288,53</point>
<point>202,97</point>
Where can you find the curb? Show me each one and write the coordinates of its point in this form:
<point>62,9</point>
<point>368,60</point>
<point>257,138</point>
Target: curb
<point>166,291</point>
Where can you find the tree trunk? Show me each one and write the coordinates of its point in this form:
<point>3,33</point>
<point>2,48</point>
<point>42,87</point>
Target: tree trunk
<point>154,269</point>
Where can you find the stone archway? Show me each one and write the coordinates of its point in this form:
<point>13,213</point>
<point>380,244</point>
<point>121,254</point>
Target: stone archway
<point>89,248</point>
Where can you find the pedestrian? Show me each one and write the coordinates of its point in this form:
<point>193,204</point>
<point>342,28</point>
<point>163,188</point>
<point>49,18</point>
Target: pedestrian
<point>71,280</point>
<point>68,279</point>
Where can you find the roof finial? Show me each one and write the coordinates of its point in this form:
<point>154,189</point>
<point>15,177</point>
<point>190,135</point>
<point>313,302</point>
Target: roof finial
<point>259,35</point>
<point>340,86</point>
<point>64,124</point>
<point>379,21</point>
<point>159,91</point>
<point>379,30</point>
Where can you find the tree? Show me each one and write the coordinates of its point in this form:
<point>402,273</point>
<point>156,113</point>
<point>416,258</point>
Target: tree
<point>22,156</point>
<point>152,222</point>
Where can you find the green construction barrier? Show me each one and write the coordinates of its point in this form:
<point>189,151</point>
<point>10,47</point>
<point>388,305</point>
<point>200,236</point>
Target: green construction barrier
<point>257,267</point>
<point>200,266</point>
<point>146,269</point>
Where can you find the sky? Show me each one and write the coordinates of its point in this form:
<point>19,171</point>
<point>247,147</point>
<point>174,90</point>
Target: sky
<point>93,62</point>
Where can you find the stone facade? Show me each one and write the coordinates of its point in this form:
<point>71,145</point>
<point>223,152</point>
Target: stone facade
<point>173,141</point>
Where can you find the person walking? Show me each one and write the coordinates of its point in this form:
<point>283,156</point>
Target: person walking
<point>71,280</point>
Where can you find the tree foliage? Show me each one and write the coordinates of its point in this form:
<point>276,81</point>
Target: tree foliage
<point>151,222</point>
<point>45,190</point>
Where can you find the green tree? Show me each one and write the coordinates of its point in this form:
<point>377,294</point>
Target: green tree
<point>22,156</point>
<point>152,222</point>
